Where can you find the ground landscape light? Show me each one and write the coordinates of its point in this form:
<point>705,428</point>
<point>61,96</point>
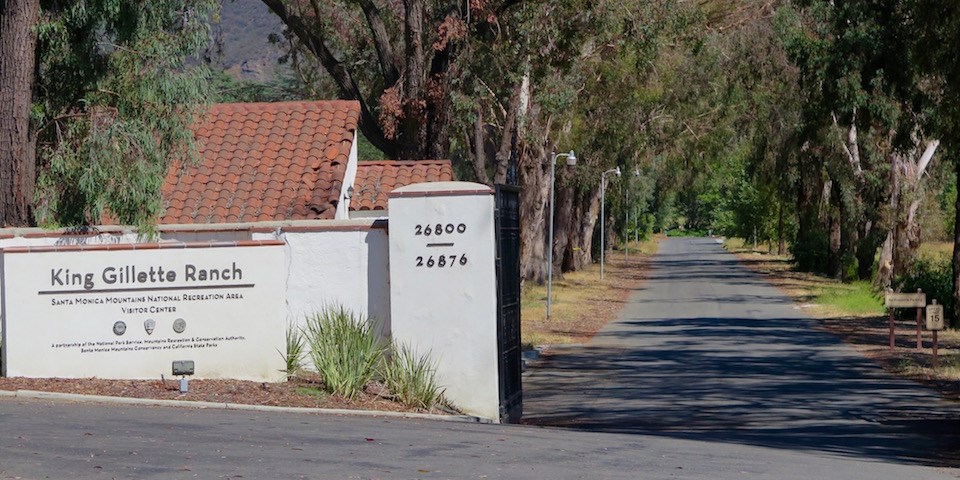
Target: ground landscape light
<point>183,368</point>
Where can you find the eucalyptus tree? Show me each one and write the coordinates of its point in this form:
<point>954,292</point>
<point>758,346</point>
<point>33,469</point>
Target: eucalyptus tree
<point>17,57</point>
<point>398,59</point>
<point>936,42</point>
<point>111,98</point>
<point>863,130</point>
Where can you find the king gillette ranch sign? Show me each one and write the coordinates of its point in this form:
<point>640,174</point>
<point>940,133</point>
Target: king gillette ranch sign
<point>129,311</point>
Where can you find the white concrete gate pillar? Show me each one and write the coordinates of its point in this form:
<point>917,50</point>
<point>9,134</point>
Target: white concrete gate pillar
<point>443,286</point>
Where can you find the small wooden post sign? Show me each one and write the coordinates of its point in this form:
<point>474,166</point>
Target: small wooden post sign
<point>935,324</point>
<point>935,317</point>
<point>905,300</point>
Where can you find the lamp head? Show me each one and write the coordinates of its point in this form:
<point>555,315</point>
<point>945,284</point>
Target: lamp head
<point>572,159</point>
<point>617,171</point>
<point>636,173</point>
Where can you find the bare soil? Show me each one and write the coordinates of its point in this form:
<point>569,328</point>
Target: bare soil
<point>585,303</point>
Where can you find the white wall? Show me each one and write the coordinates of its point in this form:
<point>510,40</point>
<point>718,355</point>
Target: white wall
<point>448,309</point>
<point>347,266</point>
<point>341,262</point>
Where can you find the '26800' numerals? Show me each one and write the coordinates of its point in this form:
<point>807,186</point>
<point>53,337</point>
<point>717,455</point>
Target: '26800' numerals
<point>439,229</point>
<point>441,261</point>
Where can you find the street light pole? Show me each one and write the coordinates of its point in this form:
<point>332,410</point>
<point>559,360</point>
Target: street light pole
<point>626,219</point>
<point>603,234</point>
<point>571,161</point>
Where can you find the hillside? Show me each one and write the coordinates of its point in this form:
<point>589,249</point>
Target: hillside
<point>245,26</point>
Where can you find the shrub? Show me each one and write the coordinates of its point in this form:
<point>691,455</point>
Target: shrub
<point>811,252</point>
<point>935,278</point>
<point>344,350</point>
<point>293,357</point>
<point>411,378</point>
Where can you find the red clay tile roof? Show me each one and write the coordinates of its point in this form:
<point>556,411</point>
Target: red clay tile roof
<point>264,161</point>
<point>375,180</point>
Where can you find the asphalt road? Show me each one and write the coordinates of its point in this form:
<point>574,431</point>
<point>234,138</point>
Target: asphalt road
<point>710,374</point>
<point>81,441</point>
<point>708,350</point>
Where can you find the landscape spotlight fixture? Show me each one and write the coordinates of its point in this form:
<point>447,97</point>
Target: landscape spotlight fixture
<point>182,368</point>
<point>571,162</point>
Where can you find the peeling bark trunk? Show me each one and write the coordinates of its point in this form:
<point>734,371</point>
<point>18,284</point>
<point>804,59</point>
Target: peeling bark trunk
<point>580,252</point>
<point>502,159</point>
<point>836,231</point>
<point>534,166</point>
<point>905,237</point>
<point>17,149</point>
<point>479,152</point>
<point>564,224</point>
<point>885,266</point>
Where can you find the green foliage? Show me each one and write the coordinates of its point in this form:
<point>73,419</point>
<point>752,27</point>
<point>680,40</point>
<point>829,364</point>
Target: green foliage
<point>344,349</point>
<point>934,276</point>
<point>856,298</point>
<point>411,378</point>
<point>810,252</point>
<point>117,94</point>
<point>295,346</point>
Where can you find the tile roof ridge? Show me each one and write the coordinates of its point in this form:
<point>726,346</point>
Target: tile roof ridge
<point>354,104</point>
<point>402,162</point>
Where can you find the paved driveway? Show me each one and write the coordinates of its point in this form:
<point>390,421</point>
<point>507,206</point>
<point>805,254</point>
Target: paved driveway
<point>708,350</point>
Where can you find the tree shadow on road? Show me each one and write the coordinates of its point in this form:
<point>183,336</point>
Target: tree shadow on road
<point>774,383</point>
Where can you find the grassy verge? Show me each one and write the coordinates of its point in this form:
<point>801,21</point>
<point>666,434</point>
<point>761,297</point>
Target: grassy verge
<point>856,314</point>
<point>582,303</point>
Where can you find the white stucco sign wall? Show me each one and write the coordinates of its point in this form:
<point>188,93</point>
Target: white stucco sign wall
<point>443,286</point>
<point>129,311</point>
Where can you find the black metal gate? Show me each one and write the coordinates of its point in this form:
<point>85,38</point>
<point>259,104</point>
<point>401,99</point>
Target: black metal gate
<point>508,302</point>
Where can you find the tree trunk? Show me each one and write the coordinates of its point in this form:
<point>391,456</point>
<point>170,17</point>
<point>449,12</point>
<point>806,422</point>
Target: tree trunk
<point>781,233</point>
<point>835,222</point>
<point>956,250</point>
<point>887,253</point>
<point>866,250</point>
<point>413,133</point>
<point>17,149</point>
<point>580,253</point>
<point>534,178</point>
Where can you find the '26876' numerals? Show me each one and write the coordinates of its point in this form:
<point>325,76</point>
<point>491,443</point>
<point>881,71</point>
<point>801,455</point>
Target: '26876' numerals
<point>441,261</point>
<point>439,229</point>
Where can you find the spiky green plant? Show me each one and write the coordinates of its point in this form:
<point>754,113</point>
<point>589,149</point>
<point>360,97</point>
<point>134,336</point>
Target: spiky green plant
<point>412,378</point>
<point>296,344</point>
<point>344,349</point>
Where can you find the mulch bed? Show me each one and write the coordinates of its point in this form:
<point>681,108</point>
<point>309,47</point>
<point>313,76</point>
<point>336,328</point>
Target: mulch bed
<point>295,393</point>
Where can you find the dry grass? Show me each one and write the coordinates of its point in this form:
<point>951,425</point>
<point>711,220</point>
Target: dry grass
<point>582,303</point>
<point>937,250</point>
<point>867,331</point>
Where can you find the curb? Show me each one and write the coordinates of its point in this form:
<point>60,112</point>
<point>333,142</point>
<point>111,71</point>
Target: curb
<point>73,397</point>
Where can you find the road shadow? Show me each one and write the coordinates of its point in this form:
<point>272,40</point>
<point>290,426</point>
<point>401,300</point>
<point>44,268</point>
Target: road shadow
<point>755,371</point>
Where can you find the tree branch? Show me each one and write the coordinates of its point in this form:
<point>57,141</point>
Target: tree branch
<point>926,157</point>
<point>349,89</point>
<point>381,40</point>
